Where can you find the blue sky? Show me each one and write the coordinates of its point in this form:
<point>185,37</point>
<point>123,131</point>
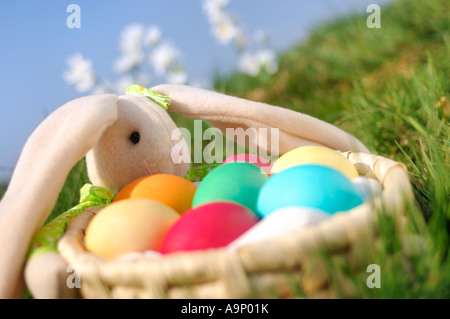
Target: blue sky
<point>36,43</point>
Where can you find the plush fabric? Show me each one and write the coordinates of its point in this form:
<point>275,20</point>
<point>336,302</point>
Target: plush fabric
<point>223,111</point>
<point>115,162</point>
<point>100,127</point>
<point>55,146</point>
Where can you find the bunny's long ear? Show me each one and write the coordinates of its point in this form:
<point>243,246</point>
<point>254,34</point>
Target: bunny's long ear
<point>60,141</point>
<point>223,111</point>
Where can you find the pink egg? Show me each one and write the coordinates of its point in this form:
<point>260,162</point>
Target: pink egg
<point>263,163</point>
<point>211,225</point>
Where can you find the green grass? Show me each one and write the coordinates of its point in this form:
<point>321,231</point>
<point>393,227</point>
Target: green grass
<point>390,88</point>
<point>3,187</point>
<point>70,193</point>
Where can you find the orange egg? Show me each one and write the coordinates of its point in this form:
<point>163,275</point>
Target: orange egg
<point>171,190</point>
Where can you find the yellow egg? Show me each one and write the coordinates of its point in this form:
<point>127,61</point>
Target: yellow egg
<point>315,155</point>
<point>127,226</point>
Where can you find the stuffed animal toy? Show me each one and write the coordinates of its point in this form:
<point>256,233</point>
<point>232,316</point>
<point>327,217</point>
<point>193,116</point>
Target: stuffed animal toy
<point>122,138</point>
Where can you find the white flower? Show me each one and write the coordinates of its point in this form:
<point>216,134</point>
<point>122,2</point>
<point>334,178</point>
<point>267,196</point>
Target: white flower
<point>127,61</point>
<point>249,63</point>
<point>152,36</point>
<point>123,64</point>
<point>214,10</point>
<point>121,85</point>
<point>226,31</point>
<point>223,26</point>
<point>239,39</point>
<point>163,56</point>
<point>177,77</point>
<point>131,38</point>
<point>253,63</point>
<point>267,59</point>
<point>80,73</point>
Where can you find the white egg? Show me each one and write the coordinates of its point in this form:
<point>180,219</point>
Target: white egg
<point>279,223</point>
<point>197,183</point>
<point>368,188</point>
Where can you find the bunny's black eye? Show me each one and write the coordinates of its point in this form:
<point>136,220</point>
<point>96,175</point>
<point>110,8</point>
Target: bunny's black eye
<point>135,137</point>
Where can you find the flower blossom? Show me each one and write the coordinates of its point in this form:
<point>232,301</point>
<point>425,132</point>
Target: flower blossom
<point>248,63</point>
<point>80,73</point>
<point>177,77</point>
<point>267,59</point>
<point>254,63</point>
<point>131,40</point>
<point>214,10</point>
<point>152,35</point>
<point>163,56</point>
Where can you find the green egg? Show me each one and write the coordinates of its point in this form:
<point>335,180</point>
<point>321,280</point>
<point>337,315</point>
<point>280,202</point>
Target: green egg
<point>237,182</point>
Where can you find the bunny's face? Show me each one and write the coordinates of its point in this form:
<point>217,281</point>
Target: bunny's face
<point>137,144</point>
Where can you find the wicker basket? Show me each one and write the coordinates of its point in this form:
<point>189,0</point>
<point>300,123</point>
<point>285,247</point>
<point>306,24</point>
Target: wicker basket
<point>276,268</point>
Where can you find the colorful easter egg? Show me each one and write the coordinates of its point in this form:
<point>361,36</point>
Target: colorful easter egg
<point>319,155</point>
<point>314,186</point>
<point>261,162</point>
<point>212,225</point>
<point>130,225</point>
<point>171,190</point>
<point>368,188</point>
<point>238,182</point>
<point>279,223</point>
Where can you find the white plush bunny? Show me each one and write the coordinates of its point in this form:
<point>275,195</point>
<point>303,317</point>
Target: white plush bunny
<point>123,138</point>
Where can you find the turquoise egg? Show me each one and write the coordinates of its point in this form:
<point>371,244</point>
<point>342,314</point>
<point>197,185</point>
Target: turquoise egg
<point>315,186</point>
<point>237,182</point>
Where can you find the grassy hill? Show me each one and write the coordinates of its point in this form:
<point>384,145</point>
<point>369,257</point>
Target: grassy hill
<point>390,88</point>
<point>343,62</point>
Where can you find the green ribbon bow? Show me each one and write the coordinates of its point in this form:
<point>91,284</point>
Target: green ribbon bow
<point>47,237</point>
<point>162,100</point>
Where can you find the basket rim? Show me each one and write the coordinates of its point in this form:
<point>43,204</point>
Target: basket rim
<point>335,234</point>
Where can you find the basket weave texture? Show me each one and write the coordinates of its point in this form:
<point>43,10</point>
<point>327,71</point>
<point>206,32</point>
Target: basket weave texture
<point>277,268</point>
